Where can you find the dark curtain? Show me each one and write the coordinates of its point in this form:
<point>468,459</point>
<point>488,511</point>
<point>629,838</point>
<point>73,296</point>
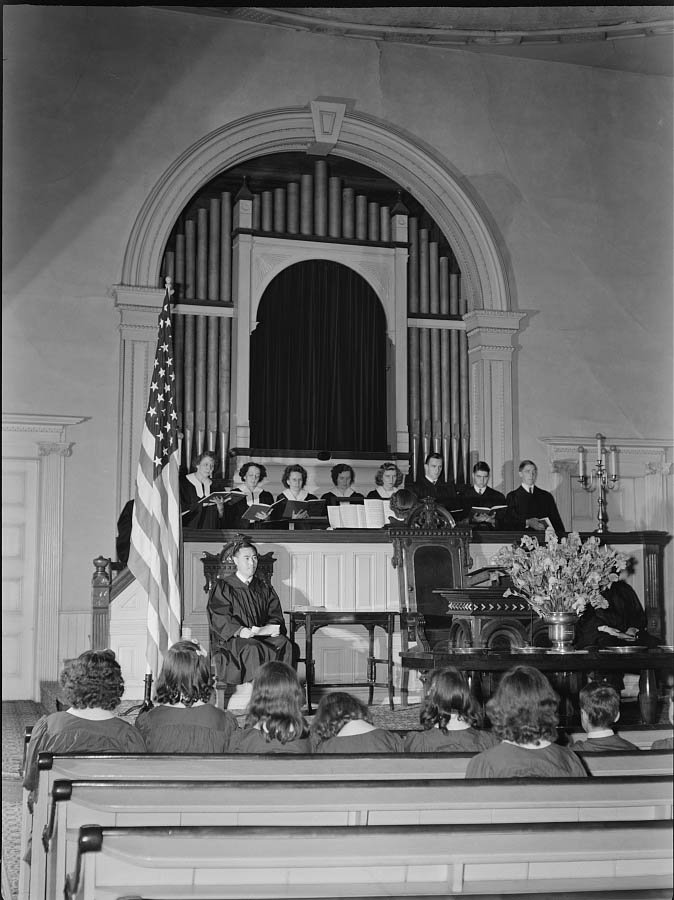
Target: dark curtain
<point>318,362</point>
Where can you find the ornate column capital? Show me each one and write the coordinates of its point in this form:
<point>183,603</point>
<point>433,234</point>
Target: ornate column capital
<point>60,448</point>
<point>491,331</point>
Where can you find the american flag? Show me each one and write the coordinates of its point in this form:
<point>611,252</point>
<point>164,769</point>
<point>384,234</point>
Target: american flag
<point>155,532</point>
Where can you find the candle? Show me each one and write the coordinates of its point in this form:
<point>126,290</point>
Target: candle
<point>599,437</point>
<point>581,463</point>
<point>614,462</point>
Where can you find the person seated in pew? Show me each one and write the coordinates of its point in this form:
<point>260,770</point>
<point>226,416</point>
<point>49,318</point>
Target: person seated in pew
<point>529,506</point>
<point>403,504</point>
<point>246,622</point>
<point>432,484</point>
<point>92,687</point>
<point>666,743</point>
<point>274,722</point>
<point>185,721</point>
<point>252,474</point>
<point>523,714</point>
<point>478,501</point>
<point>599,711</point>
<point>342,724</point>
<point>343,477</point>
<point>193,488</point>
<point>450,717</point>
<point>388,479</point>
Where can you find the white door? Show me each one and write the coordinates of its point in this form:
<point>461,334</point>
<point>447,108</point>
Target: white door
<point>19,565</point>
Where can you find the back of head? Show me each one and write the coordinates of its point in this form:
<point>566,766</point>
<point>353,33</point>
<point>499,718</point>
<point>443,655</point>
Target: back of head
<point>334,711</point>
<point>524,707</point>
<point>185,676</point>
<point>402,503</point>
<point>448,695</point>
<point>93,681</point>
<point>601,704</point>
<point>276,702</point>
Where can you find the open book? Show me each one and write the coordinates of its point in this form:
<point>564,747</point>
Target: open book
<point>488,509</point>
<point>370,514</point>
<point>271,510</point>
<point>315,508</point>
<point>209,499</point>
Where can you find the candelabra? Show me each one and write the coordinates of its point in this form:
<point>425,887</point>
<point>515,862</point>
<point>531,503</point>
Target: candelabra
<point>599,479</point>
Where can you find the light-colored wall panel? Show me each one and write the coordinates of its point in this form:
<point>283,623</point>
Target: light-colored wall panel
<point>13,488</point>
<point>13,542</point>
<point>11,595</point>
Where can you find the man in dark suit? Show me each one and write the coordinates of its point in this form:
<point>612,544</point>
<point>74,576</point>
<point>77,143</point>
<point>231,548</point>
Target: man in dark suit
<point>528,505</point>
<point>479,494</point>
<point>432,484</point>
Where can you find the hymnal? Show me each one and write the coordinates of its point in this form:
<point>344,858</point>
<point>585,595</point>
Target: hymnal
<point>272,510</point>
<point>315,509</point>
<point>488,509</point>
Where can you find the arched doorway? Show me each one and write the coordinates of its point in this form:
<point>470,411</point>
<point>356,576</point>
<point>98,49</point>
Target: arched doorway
<point>318,362</point>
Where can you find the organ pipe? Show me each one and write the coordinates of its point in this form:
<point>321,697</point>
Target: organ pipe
<point>212,383</point>
<point>348,213</point>
<point>202,254</point>
<point>373,221</point>
<point>306,204</point>
<point>384,224</point>
<point>226,247</point>
<point>424,286</point>
<point>201,363</point>
<point>335,207</point>
<point>188,393</point>
<point>425,388</point>
<point>293,225</point>
<point>279,209</point>
<point>214,220</point>
<point>361,217</point>
<point>413,266</point>
<point>320,198</point>
<point>256,215</point>
<point>465,415</point>
<point>445,413</point>
<point>190,259</point>
<point>224,384</point>
<point>267,214</point>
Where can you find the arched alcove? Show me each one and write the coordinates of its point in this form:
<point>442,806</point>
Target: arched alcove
<point>318,362</point>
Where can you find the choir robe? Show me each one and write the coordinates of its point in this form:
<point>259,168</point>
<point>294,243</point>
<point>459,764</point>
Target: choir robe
<point>624,611</point>
<point>462,740</point>
<point>443,492</point>
<point>236,510</point>
<point>333,499</point>
<point>522,506</point>
<point>511,761</point>
<point>233,605</point>
<point>602,744</point>
<point>470,498</point>
<point>195,516</point>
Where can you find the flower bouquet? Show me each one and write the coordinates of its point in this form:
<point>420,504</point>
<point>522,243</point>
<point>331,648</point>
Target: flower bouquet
<point>563,576</point>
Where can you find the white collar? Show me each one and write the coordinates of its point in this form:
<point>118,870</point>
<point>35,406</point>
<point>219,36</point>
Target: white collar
<point>529,488</point>
<point>539,746</point>
<point>384,494</point>
<point>288,494</point>
<point>600,733</point>
<point>93,715</point>
<point>203,489</point>
<point>346,493</point>
<point>244,580</point>
<point>251,498</point>
<point>480,491</point>
<point>355,726</point>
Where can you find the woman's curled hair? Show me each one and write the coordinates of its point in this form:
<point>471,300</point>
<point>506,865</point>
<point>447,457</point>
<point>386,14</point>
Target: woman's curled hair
<point>448,695</point>
<point>185,676</point>
<point>295,467</point>
<point>93,681</point>
<point>276,703</point>
<point>524,707</point>
<point>337,470</point>
<point>243,471</point>
<point>333,712</point>
<point>388,467</point>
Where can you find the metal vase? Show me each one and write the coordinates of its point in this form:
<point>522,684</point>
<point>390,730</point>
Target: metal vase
<point>561,630</point>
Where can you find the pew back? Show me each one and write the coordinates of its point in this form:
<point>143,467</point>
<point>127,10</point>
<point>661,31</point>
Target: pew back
<point>381,861</point>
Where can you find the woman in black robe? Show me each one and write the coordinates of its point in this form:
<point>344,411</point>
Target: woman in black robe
<point>252,474</point>
<point>246,621</point>
<point>193,488</point>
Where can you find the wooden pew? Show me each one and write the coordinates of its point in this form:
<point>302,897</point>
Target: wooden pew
<point>342,803</point>
<point>292,768</point>
<point>380,861</point>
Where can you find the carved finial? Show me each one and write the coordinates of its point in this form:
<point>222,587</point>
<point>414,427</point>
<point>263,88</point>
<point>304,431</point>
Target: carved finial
<point>399,208</point>
<point>244,191</point>
<point>168,281</point>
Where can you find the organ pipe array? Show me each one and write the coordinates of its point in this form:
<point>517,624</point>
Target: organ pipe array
<point>198,258</point>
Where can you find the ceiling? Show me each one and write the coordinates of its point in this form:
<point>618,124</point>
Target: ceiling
<point>636,39</point>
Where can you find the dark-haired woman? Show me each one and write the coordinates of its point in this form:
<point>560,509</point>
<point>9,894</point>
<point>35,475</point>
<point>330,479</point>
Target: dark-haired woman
<point>294,481</point>
<point>193,488</point>
<point>342,724</point>
<point>185,721</point>
<point>450,718</point>
<point>523,713</point>
<point>92,686</point>
<point>246,621</point>
<point>252,474</point>
<point>274,721</point>
<point>342,476</point>
<point>388,479</point>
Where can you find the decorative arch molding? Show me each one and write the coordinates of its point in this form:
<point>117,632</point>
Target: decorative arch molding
<point>363,139</point>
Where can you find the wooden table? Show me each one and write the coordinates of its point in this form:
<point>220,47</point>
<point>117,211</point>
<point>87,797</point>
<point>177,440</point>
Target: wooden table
<point>568,671</point>
<point>313,619</point>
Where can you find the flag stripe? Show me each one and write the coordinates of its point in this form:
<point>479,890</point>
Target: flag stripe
<point>155,533</point>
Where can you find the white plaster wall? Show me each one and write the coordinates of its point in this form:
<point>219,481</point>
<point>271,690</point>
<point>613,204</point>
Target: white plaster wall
<point>571,164</point>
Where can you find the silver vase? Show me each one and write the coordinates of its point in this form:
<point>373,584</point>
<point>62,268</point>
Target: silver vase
<point>561,630</point>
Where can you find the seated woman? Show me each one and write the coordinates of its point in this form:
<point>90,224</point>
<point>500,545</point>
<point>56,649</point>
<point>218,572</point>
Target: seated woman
<point>193,488</point>
<point>274,721</point>
<point>403,503</point>
<point>342,724</point>
<point>92,686</point>
<point>252,475</point>
<point>185,720</point>
<point>523,713</point>
<point>294,481</point>
<point>246,622</point>
<point>342,476</point>
<point>388,479</point>
<point>450,717</point>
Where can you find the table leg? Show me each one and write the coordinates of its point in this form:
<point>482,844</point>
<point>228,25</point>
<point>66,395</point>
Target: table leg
<point>371,667</point>
<point>648,696</point>
<point>309,659</point>
<point>390,623</point>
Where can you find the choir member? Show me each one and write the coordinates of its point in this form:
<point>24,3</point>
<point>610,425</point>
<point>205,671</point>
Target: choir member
<point>432,484</point>
<point>193,488</point>
<point>529,505</point>
<point>342,476</point>
<point>388,479</point>
<point>252,474</point>
<point>479,494</point>
<point>599,711</point>
<point>342,724</point>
